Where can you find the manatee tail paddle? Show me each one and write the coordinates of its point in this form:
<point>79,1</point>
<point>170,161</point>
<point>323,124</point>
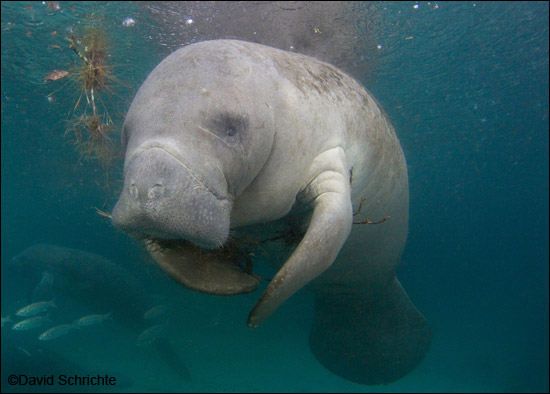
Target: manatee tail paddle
<point>374,342</point>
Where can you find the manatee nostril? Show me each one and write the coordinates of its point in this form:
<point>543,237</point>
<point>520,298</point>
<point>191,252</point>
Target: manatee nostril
<point>155,191</point>
<point>133,191</point>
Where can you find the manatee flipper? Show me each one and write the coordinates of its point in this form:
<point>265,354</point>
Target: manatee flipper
<point>374,342</point>
<point>329,227</point>
<point>44,290</point>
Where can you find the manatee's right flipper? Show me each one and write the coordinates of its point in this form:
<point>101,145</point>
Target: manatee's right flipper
<point>329,195</point>
<point>370,342</point>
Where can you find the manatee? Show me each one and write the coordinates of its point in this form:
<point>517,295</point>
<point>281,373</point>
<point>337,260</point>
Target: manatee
<point>326,30</point>
<point>246,151</point>
<point>98,284</point>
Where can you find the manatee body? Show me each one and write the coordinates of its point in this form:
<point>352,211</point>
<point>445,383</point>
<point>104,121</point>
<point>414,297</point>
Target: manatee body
<point>245,150</point>
<point>97,283</point>
<point>83,275</point>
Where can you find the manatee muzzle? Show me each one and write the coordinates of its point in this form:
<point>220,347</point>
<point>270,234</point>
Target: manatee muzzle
<point>165,201</point>
<point>163,198</point>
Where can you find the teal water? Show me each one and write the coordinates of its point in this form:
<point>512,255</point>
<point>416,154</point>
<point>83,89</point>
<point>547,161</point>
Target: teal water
<point>466,87</point>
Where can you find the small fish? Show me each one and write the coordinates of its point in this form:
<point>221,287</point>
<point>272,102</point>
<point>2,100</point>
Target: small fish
<point>31,322</point>
<point>151,334</point>
<point>56,332</point>
<point>90,320</point>
<point>36,308</point>
<point>55,75</point>
<point>157,312</point>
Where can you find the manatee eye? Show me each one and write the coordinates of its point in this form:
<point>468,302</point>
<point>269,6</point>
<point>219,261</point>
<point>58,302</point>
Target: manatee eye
<point>231,127</point>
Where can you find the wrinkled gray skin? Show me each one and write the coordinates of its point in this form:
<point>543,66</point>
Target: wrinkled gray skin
<point>229,135</point>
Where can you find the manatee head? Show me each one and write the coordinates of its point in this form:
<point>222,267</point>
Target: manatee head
<point>196,135</point>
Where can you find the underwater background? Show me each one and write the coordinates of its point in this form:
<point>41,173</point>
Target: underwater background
<point>465,85</point>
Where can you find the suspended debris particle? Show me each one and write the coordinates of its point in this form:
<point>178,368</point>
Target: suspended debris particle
<point>128,22</point>
<point>55,75</point>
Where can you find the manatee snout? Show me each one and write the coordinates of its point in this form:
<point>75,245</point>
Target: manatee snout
<point>163,198</point>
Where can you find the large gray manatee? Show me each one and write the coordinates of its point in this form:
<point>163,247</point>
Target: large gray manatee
<point>235,151</point>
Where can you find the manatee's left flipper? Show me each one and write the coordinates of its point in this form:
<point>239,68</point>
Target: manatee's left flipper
<point>369,341</point>
<point>329,194</point>
<point>44,290</point>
